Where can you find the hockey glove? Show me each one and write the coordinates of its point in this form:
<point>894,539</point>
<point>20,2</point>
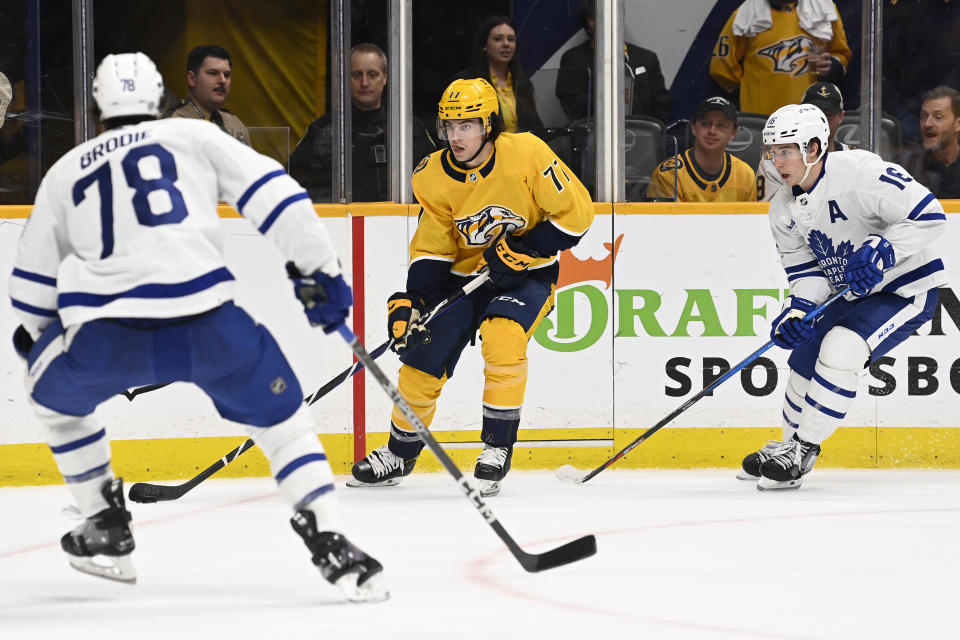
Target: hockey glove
<point>22,342</point>
<point>508,261</point>
<point>326,300</point>
<point>788,329</point>
<point>404,326</point>
<point>865,266</point>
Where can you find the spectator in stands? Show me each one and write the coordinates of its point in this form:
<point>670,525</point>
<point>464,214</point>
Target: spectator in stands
<point>937,165</point>
<point>209,72</point>
<point>921,49</point>
<point>774,49</point>
<point>648,92</point>
<point>828,98</point>
<point>495,59</point>
<point>707,172</point>
<point>311,160</point>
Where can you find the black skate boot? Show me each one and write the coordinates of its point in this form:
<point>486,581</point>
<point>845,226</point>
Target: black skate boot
<point>750,467</point>
<point>493,463</point>
<point>343,565</point>
<point>102,544</point>
<point>381,468</point>
<point>788,464</point>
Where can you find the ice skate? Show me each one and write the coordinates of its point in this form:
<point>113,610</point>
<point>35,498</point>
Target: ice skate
<point>750,467</point>
<point>493,463</point>
<point>381,468</point>
<point>787,465</point>
<point>342,564</point>
<point>102,544</point>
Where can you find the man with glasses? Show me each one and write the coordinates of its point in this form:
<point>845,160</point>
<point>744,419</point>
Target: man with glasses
<point>491,200</point>
<point>842,220</point>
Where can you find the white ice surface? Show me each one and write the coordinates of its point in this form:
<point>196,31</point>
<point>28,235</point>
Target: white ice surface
<point>682,554</point>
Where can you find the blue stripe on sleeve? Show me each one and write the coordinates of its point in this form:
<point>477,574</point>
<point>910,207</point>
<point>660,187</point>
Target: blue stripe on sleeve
<point>808,274</point>
<point>296,463</point>
<point>76,444</point>
<point>37,311</point>
<point>252,189</point>
<point>35,277</point>
<point>280,209</point>
<point>917,210</point>
<point>172,290</point>
<point>802,267</point>
<point>931,216</point>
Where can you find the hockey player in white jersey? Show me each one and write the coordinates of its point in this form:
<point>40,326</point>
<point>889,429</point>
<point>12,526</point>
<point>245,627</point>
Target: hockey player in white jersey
<point>120,281</point>
<point>842,219</point>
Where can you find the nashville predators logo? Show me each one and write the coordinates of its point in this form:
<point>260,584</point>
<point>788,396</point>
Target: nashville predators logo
<point>789,56</point>
<point>483,227</point>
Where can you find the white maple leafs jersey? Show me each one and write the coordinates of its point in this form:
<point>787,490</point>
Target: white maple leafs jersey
<point>858,194</point>
<point>769,180</point>
<point>126,225</point>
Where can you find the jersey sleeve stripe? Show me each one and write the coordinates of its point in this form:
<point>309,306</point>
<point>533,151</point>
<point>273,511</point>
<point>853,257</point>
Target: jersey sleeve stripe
<point>279,209</point>
<point>172,290</point>
<point>252,189</point>
<point>801,267</point>
<point>805,274</point>
<point>35,277</point>
<point>931,216</point>
<point>917,210</point>
<point>29,308</point>
<point>912,276</point>
<point>77,444</point>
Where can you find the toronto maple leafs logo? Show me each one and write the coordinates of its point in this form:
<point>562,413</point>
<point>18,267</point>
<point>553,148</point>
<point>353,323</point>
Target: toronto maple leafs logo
<point>482,227</point>
<point>832,261</point>
<point>790,55</point>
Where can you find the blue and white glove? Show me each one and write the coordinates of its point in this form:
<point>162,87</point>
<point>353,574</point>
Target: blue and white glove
<point>326,300</point>
<point>865,266</point>
<point>788,329</point>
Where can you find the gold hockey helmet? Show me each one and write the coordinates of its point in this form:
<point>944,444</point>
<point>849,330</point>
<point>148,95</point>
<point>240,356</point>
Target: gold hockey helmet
<point>469,98</point>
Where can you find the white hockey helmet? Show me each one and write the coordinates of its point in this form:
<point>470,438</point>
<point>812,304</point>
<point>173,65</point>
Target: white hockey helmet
<point>798,124</point>
<point>127,84</point>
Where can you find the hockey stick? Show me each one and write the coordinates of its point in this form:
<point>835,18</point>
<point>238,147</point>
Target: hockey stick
<point>568,473</point>
<point>565,554</point>
<point>145,492</point>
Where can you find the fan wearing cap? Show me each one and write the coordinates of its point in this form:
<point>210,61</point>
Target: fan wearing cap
<point>707,172</point>
<point>828,98</point>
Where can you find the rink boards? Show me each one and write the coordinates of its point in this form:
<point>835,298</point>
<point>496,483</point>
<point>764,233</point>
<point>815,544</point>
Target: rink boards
<point>655,301</point>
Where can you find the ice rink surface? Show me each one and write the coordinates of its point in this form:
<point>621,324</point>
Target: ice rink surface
<point>681,554</point>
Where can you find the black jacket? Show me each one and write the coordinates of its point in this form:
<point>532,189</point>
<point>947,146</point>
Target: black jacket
<point>943,180</point>
<point>311,160</point>
<point>527,117</point>
<point>575,91</point>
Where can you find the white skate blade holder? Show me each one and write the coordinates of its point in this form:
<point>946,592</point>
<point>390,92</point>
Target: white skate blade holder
<point>118,568</point>
<point>766,484</point>
<point>743,475</point>
<point>373,590</point>
<point>489,488</point>
<point>353,482</point>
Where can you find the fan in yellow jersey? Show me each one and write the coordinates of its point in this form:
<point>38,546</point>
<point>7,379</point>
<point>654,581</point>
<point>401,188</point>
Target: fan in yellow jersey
<point>491,200</point>
<point>773,50</point>
<point>706,172</point>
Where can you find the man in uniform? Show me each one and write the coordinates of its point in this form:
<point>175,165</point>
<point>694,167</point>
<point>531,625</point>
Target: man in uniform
<point>490,200</point>
<point>209,70</point>
<point>707,172</point>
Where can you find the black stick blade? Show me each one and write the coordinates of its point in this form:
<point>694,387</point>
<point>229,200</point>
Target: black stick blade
<point>145,493</point>
<point>571,552</point>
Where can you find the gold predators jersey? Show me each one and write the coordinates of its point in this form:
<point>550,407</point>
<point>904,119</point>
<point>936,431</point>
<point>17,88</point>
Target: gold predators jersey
<point>520,186</point>
<point>736,181</point>
<point>771,68</point>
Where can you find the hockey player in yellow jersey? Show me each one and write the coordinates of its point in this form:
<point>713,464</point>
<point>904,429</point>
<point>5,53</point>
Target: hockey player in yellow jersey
<point>706,172</point>
<point>772,50</point>
<point>491,200</point>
